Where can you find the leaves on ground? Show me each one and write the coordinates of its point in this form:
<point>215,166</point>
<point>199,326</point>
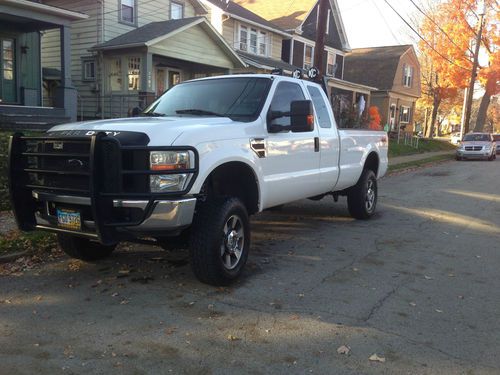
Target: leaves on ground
<point>343,349</point>
<point>376,358</point>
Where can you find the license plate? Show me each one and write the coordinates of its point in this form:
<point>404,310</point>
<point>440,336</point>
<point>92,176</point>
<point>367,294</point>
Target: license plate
<point>69,219</point>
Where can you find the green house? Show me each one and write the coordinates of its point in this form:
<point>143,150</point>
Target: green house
<point>21,83</point>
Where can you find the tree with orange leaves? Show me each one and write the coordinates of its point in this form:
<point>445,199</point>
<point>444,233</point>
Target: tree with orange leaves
<point>446,55</point>
<point>374,118</point>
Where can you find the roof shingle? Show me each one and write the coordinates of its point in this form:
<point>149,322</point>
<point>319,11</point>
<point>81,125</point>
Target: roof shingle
<point>375,66</point>
<point>287,14</point>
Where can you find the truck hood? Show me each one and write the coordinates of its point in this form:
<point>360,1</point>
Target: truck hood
<point>162,131</point>
<point>476,143</point>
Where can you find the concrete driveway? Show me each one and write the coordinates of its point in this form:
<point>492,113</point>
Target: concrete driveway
<point>418,285</point>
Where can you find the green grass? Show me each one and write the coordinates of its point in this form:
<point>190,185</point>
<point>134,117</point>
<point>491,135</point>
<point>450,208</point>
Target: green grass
<point>419,163</point>
<point>424,145</point>
<point>32,242</point>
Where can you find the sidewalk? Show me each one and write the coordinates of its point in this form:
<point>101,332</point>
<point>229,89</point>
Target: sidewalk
<point>416,157</point>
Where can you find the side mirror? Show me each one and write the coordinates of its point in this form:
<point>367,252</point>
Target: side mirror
<point>301,116</point>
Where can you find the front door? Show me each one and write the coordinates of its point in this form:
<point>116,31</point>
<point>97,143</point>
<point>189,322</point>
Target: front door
<point>291,167</point>
<point>7,71</point>
<point>161,80</point>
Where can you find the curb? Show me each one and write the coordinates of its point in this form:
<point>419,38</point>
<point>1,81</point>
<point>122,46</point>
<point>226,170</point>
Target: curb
<point>12,257</point>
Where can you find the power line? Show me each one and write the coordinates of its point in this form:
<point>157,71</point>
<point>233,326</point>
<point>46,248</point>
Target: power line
<point>423,39</point>
<point>385,21</point>
<point>439,27</point>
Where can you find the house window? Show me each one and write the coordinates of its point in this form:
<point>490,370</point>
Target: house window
<point>115,75</point>
<point>88,70</point>
<point>253,40</point>
<point>339,71</point>
<point>176,11</point>
<point>308,56</point>
<point>262,43</point>
<point>243,38</point>
<point>405,114</point>
<point>330,65</point>
<point>127,11</point>
<point>407,75</point>
<point>134,73</point>
<point>328,22</point>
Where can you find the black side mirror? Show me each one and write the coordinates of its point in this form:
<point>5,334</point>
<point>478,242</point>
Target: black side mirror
<point>301,116</point>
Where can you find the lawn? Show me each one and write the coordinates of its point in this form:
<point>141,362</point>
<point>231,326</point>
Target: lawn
<point>424,145</point>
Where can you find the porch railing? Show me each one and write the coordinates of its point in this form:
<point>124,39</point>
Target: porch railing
<point>112,105</point>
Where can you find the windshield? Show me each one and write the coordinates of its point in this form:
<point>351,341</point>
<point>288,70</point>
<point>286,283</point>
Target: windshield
<point>236,98</point>
<point>477,137</point>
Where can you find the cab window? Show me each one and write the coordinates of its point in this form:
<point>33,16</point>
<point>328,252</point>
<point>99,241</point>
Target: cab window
<point>320,107</point>
<point>285,94</point>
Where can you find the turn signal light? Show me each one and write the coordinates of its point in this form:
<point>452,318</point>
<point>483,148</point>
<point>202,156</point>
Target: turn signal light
<point>310,120</point>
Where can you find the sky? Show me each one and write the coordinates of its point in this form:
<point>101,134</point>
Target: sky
<point>371,23</point>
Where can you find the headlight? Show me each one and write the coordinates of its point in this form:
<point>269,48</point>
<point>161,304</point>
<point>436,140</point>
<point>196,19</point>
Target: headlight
<point>170,161</point>
<point>487,148</point>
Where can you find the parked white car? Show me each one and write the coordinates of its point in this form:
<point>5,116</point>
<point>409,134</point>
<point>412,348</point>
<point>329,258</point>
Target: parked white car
<point>477,146</point>
<point>208,154</point>
<point>455,138</point>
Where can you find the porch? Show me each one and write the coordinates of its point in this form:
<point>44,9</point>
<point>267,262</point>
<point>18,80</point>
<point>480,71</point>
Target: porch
<point>139,66</point>
<point>350,103</point>
<point>21,104</point>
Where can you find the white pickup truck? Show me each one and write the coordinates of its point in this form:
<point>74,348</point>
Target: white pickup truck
<point>194,166</point>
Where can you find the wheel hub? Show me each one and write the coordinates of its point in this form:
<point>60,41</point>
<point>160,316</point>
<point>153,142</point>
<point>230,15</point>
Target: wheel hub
<point>233,243</point>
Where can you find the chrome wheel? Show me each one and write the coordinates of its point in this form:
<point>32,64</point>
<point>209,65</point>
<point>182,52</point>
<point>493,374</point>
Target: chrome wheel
<point>370,195</point>
<point>233,242</point>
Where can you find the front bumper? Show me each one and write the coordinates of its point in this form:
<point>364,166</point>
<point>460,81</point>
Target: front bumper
<point>465,154</point>
<point>153,217</point>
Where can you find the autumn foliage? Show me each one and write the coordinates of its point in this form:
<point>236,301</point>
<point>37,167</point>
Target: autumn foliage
<point>374,118</point>
<point>447,53</point>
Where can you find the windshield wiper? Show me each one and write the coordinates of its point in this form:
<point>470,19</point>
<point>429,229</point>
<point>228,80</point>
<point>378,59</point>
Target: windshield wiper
<point>154,114</point>
<point>198,112</point>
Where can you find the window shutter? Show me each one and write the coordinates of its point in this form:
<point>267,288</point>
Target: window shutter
<point>404,74</point>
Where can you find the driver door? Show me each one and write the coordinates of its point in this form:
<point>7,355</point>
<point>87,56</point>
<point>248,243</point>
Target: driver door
<point>291,167</point>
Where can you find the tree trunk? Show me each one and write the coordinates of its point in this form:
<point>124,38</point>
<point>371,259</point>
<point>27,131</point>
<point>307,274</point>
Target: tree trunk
<point>435,108</point>
<point>485,102</point>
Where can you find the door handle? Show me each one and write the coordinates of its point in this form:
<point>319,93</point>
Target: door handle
<point>316,144</point>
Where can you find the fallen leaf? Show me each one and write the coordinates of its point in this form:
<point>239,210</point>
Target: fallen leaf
<point>413,304</point>
<point>451,275</point>
<point>124,302</point>
<point>115,295</point>
<point>233,338</point>
<point>439,311</point>
<point>38,298</point>
<point>344,349</point>
<point>170,330</point>
<point>461,297</point>
<point>427,277</point>
<point>376,358</point>
<point>355,269</point>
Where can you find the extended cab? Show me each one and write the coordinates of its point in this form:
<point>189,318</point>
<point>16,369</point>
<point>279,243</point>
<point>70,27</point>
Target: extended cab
<point>200,160</point>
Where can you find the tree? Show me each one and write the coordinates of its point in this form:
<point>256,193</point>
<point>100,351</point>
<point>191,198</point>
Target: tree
<point>374,118</point>
<point>449,30</point>
<point>443,60</point>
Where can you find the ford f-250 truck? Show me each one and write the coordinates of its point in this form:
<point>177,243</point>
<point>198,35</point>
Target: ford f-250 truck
<point>201,159</point>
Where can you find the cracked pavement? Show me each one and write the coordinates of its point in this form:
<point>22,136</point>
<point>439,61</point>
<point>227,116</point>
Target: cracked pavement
<point>417,285</point>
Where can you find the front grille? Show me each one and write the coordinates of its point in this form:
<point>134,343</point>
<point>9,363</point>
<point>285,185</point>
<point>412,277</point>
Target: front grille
<point>473,148</point>
<point>61,166</point>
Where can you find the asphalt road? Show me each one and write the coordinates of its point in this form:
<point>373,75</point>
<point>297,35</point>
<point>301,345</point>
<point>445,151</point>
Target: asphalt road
<point>418,285</point>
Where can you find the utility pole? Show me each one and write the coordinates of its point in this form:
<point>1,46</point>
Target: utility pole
<point>319,50</point>
<point>470,92</point>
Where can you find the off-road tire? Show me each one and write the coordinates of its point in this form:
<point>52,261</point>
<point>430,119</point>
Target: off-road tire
<point>83,248</point>
<point>208,238</point>
<point>357,196</point>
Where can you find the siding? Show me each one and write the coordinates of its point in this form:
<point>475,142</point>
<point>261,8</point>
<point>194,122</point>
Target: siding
<point>84,35</point>
<point>202,49</point>
<point>409,58</point>
<point>147,11</point>
<point>229,31</point>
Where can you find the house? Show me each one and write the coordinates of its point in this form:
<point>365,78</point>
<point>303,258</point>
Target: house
<point>128,52</point>
<point>257,41</point>
<point>395,71</point>
<point>21,24</point>
<point>300,19</point>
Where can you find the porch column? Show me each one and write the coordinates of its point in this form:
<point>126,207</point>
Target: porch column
<point>147,93</point>
<point>66,96</point>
